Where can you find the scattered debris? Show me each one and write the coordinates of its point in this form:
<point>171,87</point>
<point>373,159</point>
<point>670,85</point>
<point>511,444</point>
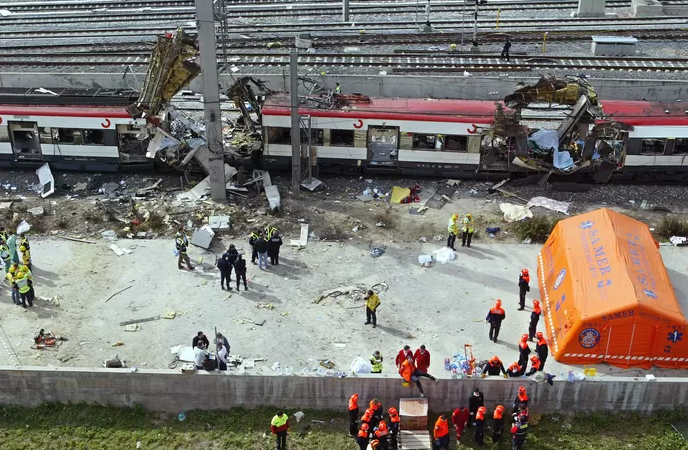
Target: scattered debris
<point>438,198</point>
<point>38,211</point>
<point>132,327</point>
<point>273,196</point>
<point>679,241</point>
<point>119,251</point>
<point>303,237</point>
<point>23,227</point>
<point>418,210</point>
<point>453,182</point>
<point>365,198</point>
<point>313,186</point>
<point>378,251</point>
<point>380,224</point>
<point>202,237</point>
<point>219,223</point>
<point>77,239</point>
<point>45,178</point>
<point>298,415</point>
<point>118,292</point>
<point>147,319</point>
<point>269,306</point>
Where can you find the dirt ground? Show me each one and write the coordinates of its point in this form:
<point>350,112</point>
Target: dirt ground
<point>442,307</point>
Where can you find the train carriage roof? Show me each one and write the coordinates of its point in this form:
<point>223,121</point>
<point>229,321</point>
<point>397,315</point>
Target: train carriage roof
<point>643,113</point>
<point>67,96</point>
<point>413,109</point>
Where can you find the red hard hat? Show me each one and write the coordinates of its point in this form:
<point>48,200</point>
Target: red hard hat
<point>521,390</point>
<point>524,337</point>
<point>536,302</point>
<point>524,271</point>
<point>534,358</point>
<point>539,335</point>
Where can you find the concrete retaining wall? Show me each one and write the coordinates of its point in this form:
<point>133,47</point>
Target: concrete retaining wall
<point>473,87</point>
<point>171,391</point>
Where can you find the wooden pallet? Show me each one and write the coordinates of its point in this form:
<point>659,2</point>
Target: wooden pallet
<point>415,440</point>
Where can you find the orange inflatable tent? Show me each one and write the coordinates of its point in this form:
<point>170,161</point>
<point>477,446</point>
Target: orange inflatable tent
<point>606,295</point>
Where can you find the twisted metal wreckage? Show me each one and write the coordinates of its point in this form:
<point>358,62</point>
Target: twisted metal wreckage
<point>585,138</point>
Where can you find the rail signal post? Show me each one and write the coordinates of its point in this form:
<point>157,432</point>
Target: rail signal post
<point>205,15</point>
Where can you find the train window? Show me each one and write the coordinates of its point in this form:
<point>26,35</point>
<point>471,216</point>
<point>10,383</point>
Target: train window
<point>680,146</point>
<point>453,143</point>
<point>93,137</point>
<point>317,136</point>
<point>652,147</point>
<point>4,135</point>
<point>279,135</point>
<point>46,134</point>
<point>68,136</point>
<point>342,138</point>
<point>424,141</point>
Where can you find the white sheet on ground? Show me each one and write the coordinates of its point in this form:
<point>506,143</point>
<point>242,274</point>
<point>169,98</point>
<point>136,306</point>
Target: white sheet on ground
<point>554,205</point>
<point>444,255</point>
<point>514,213</point>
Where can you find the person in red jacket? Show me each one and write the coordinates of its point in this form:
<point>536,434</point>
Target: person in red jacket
<point>403,356</point>
<point>460,418</point>
<point>422,359</point>
<point>441,433</point>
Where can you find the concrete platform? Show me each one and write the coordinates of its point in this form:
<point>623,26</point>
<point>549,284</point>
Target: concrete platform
<point>443,307</point>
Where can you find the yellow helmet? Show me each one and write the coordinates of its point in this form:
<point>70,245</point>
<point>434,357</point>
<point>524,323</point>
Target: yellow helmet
<point>20,275</point>
<point>455,216</point>
<point>25,269</point>
<point>469,215</point>
<point>22,249</point>
<point>13,268</point>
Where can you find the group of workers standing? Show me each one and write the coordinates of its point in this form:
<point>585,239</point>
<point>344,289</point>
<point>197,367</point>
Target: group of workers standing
<point>265,244</point>
<point>18,275</point>
<point>476,415</point>
<point>496,316</point>
<point>467,230</point>
<point>373,429</point>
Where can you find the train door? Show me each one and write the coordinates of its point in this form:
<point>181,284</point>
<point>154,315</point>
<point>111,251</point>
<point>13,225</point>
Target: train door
<point>132,143</point>
<point>383,145</point>
<point>26,143</point>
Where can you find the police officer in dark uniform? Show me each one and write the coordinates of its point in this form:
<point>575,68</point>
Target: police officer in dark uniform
<point>519,431</point>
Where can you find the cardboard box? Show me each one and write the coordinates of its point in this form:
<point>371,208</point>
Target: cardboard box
<point>413,414</point>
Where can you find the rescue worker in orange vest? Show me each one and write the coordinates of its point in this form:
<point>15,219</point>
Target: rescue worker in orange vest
<point>367,417</point>
<point>523,352</point>
<point>460,418</point>
<point>514,370</point>
<point>441,433</point>
<point>541,349</point>
<point>493,367</point>
<point>534,319</point>
<point>394,420</point>
<point>519,431</point>
<point>498,423</point>
<point>494,318</point>
<point>480,426</point>
<point>362,437</point>
<point>353,415</point>
<point>535,366</point>
<point>521,399</point>
<point>381,433</point>
<point>409,373</point>
<point>376,406</point>
<point>523,287</point>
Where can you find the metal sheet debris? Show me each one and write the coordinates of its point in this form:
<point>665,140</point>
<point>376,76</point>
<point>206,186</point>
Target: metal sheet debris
<point>273,196</point>
<point>303,237</point>
<point>219,223</point>
<point>38,211</point>
<point>119,251</point>
<point>45,177</point>
<point>202,237</point>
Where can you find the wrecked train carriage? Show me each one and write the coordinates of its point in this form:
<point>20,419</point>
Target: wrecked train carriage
<point>355,134</point>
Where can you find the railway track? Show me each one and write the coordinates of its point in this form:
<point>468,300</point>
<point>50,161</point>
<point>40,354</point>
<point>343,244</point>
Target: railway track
<point>395,62</point>
<point>29,7</point>
<point>186,13</point>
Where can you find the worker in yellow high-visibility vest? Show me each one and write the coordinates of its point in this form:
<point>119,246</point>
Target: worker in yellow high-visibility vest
<point>467,230</point>
<point>280,426</point>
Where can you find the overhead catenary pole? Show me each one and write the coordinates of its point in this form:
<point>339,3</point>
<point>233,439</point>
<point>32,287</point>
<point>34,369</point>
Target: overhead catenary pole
<point>475,25</point>
<point>205,15</point>
<point>295,123</point>
<point>345,10</point>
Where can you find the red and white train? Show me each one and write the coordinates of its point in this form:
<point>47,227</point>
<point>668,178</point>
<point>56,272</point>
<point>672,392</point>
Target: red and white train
<point>448,137</point>
<point>79,129</point>
<point>72,129</point>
